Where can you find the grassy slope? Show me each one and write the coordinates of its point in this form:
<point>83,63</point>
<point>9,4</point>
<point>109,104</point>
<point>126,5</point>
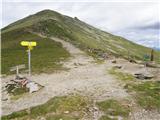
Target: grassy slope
<point>77,108</point>
<point>54,109</point>
<point>47,51</point>
<point>146,93</point>
<point>113,108</point>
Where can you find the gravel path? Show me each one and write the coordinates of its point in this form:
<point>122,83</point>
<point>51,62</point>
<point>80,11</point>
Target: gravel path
<point>84,77</point>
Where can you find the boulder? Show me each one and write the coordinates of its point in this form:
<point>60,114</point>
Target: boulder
<point>117,66</point>
<point>143,76</point>
<point>114,61</point>
<point>132,61</point>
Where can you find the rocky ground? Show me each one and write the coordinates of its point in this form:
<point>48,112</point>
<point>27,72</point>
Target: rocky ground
<point>85,76</point>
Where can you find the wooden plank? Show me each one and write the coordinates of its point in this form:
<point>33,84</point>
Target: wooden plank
<point>18,66</point>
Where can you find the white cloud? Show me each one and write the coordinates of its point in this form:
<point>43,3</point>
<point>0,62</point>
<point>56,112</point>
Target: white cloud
<point>110,16</point>
<point>149,38</point>
<point>81,0</point>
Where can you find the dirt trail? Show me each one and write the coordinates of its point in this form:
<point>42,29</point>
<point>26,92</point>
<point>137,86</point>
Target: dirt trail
<point>84,77</point>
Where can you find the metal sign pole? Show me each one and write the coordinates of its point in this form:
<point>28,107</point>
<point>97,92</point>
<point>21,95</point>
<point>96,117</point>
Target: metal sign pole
<point>29,61</point>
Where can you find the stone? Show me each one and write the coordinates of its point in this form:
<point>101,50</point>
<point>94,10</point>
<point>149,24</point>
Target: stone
<point>4,99</point>
<point>66,112</point>
<point>152,65</point>
<point>132,61</point>
<point>118,66</point>
<point>95,108</point>
<point>114,61</point>
<point>143,76</point>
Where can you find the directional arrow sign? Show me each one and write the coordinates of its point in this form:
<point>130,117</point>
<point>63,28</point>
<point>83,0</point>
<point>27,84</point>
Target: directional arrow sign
<point>29,44</point>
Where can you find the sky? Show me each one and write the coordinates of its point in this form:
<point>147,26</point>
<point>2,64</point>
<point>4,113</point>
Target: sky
<point>138,20</point>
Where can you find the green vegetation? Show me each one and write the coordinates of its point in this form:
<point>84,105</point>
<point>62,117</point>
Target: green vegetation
<point>15,115</point>
<point>61,117</point>
<point>113,108</point>
<point>121,75</point>
<point>54,109</point>
<point>45,57</point>
<point>147,93</point>
<point>84,36</point>
<point>71,107</point>
<point>20,91</point>
<point>15,91</point>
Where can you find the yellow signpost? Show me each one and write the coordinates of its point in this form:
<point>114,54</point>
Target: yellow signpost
<point>30,46</point>
<point>26,43</point>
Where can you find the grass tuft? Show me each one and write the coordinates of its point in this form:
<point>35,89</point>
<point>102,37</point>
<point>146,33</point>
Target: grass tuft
<point>14,115</point>
<point>45,57</point>
<point>113,108</point>
<point>121,75</point>
<point>147,94</point>
<point>61,117</point>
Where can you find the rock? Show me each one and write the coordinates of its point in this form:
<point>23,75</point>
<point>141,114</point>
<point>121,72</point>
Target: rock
<point>40,118</point>
<point>120,118</point>
<point>132,61</point>
<point>28,111</point>
<point>152,65</point>
<point>105,55</point>
<point>112,91</point>
<point>114,61</point>
<point>33,87</point>
<point>66,112</point>
<point>117,66</point>
<point>4,99</point>
<point>95,108</point>
<point>143,76</point>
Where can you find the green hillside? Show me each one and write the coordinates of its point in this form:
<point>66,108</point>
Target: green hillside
<point>47,51</point>
<point>51,23</point>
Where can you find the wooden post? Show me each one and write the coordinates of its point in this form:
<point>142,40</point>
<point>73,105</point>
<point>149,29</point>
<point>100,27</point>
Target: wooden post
<point>17,68</point>
<point>152,55</point>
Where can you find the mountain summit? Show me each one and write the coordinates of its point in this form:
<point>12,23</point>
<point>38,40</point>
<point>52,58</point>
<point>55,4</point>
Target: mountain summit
<point>88,38</point>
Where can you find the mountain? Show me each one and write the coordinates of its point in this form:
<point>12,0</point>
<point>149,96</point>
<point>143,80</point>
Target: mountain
<point>156,48</point>
<point>50,23</point>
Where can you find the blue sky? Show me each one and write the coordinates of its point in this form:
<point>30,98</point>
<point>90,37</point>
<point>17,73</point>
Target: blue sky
<point>137,21</point>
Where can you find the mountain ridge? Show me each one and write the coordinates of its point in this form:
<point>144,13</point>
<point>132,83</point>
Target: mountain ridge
<point>88,38</point>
